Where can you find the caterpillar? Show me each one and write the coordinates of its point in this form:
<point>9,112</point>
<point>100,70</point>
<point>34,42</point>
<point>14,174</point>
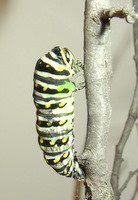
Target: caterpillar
<point>54,101</point>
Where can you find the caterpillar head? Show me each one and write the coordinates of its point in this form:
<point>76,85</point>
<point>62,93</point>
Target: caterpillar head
<point>65,58</point>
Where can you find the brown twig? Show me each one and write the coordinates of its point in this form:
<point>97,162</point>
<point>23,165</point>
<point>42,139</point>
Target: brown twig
<point>77,191</point>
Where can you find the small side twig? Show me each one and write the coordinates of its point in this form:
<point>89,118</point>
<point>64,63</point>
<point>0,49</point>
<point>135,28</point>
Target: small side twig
<point>127,12</point>
<point>136,189</point>
<point>132,116</point>
<point>130,176</point>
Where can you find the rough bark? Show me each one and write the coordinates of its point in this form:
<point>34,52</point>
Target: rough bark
<point>98,72</point>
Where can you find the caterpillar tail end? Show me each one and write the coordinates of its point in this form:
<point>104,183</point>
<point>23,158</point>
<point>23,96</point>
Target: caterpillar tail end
<point>78,172</point>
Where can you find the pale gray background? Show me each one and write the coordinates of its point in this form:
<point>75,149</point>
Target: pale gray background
<point>28,30</point>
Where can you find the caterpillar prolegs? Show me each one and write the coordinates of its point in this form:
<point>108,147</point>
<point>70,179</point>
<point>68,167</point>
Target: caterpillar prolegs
<point>53,98</point>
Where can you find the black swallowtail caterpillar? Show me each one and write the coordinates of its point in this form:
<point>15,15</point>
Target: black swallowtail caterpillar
<point>53,98</point>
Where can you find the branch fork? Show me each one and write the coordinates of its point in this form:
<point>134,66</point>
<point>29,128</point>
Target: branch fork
<point>130,176</point>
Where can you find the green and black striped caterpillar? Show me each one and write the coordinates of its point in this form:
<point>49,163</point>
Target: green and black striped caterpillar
<point>53,98</point>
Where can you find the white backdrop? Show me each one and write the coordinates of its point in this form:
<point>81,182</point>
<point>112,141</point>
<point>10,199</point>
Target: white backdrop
<point>28,30</point>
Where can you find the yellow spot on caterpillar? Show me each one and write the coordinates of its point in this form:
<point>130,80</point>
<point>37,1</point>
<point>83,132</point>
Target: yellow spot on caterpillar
<point>60,68</point>
<point>44,88</point>
<point>49,124</point>
<point>36,104</point>
<point>65,172</point>
<point>61,122</point>
<point>61,104</point>
<point>62,52</point>
<point>64,140</point>
<point>47,65</point>
<point>41,140</point>
<point>47,105</point>
<point>52,142</point>
<point>59,89</point>
<point>56,160</point>
<point>70,163</point>
<point>63,55</point>
<point>65,155</point>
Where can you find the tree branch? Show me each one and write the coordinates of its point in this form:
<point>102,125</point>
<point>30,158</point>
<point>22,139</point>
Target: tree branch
<point>98,72</point>
<point>130,176</point>
<point>132,116</point>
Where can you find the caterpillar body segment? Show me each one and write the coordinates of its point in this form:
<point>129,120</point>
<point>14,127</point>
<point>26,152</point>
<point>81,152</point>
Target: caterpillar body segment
<point>54,101</point>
